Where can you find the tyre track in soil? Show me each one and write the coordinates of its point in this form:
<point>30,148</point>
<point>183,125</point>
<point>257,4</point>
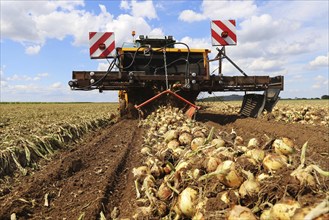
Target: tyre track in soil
<point>78,182</point>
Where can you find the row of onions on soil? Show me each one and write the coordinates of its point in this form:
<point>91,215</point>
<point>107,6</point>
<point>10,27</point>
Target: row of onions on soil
<point>313,115</point>
<point>192,172</point>
<point>25,152</point>
<point>288,113</point>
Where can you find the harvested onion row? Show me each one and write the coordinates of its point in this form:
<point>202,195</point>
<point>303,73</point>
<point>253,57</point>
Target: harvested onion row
<point>188,166</point>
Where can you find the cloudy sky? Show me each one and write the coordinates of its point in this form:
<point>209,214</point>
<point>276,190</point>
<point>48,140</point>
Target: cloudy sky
<point>43,41</point>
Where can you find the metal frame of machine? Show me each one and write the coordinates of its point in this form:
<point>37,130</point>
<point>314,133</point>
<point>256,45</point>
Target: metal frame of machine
<point>150,66</point>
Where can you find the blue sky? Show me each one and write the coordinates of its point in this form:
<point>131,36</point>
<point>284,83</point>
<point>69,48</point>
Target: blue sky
<point>43,41</point>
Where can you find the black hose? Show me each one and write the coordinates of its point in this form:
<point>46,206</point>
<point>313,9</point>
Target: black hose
<point>187,56</point>
<point>109,69</point>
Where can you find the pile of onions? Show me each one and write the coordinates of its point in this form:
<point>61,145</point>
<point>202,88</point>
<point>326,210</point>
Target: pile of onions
<point>316,113</point>
<point>187,166</point>
<point>307,114</point>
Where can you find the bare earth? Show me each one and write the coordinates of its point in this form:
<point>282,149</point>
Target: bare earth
<point>95,176</point>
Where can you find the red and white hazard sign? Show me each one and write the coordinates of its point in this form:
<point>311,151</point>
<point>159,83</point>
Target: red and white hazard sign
<point>102,44</point>
<point>223,32</point>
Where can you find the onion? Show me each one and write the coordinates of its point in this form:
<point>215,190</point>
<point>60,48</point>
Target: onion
<point>195,129</point>
<point>196,173</point>
<point>240,213</point>
<point>199,134</point>
<point>187,201</point>
<point>266,215</point>
<point>184,129</point>
<point>262,177</point>
<point>156,170</point>
<point>223,169</point>
<point>225,197</point>
<point>305,177</point>
<point>249,187</point>
<point>256,154</point>
<point>241,148</point>
<point>300,213</point>
<point>197,142</point>
<point>164,192</point>
<point>253,142</point>
<point>170,135</point>
<point>284,210</point>
<point>163,129</point>
<point>228,175</point>
<point>141,171</point>
<point>148,182</point>
<point>167,169</point>
<point>162,209</point>
<point>212,164</point>
<point>146,151</point>
<point>283,146</point>
<point>218,142</point>
<point>177,152</point>
<point>173,144</point>
<point>318,212</point>
<point>273,162</point>
<point>238,141</point>
<point>142,212</point>
<point>181,165</point>
<point>198,216</point>
<point>150,161</point>
<point>226,153</point>
<point>185,138</point>
<point>229,196</point>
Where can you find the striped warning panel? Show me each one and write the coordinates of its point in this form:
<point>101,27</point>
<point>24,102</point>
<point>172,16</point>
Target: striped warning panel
<point>223,32</point>
<point>102,45</point>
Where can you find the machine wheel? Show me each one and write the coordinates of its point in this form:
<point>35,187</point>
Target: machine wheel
<point>132,111</point>
<point>122,107</point>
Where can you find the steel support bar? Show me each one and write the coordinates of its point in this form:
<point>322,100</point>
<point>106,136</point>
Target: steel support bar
<point>222,52</point>
<point>162,93</point>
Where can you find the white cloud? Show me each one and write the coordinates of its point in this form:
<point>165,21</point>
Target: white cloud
<point>102,66</point>
<point>320,61</point>
<point>196,42</point>
<point>23,87</point>
<point>264,28</point>
<point>32,50</point>
<point>220,10</point>
<point>17,77</point>
<point>124,4</point>
<point>156,32</point>
<point>288,48</point>
<point>320,82</point>
<point>19,18</point>
<point>3,83</point>
<point>191,16</point>
<point>56,85</point>
<point>144,9</point>
<point>43,74</point>
<point>315,11</point>
<point>266,65</point>
<point>2,70</point>
<point>124,24</point>
<point>32,23</point>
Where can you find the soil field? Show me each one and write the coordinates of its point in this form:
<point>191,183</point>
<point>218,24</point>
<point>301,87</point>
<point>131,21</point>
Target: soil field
<point>95,176</point>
